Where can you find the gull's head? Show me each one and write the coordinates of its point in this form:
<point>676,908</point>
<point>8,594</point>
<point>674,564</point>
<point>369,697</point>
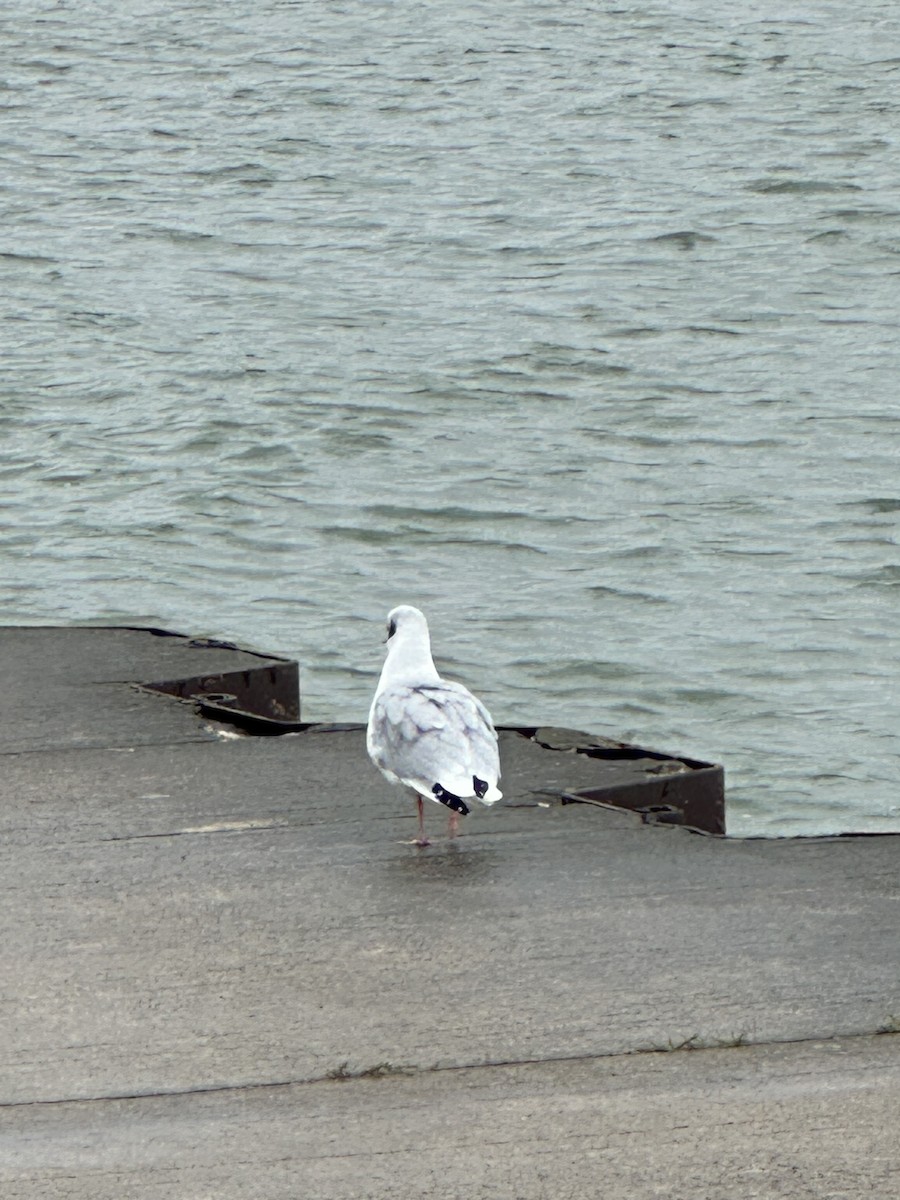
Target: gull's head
<point>406,624</point>
<point>408,648</point>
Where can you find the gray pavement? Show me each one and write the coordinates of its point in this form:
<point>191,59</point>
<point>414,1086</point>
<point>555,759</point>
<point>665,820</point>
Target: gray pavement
<point>226,972</point>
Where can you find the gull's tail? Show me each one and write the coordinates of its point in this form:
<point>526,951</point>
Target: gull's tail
<point>487,793</point>
<point>453,802</point>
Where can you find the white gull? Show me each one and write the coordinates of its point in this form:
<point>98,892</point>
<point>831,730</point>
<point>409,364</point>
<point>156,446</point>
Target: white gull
<point>428,733</point>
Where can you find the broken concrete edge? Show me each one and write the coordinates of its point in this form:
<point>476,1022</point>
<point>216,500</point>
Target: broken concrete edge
<point>262,699</point>
<point>674,791</point>
<point>198,642</point>
<point>681,792</point>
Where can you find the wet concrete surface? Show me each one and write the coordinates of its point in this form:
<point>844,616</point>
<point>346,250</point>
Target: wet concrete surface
<point>227,972</point>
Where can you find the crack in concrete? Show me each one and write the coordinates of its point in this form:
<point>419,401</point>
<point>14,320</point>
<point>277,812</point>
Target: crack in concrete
<point>340,1073</point>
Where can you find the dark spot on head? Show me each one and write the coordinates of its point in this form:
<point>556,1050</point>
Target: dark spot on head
<point>392,628</point>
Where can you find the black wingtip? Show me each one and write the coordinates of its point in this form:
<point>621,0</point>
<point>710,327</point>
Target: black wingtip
<point>480,787</point>
<point>452,802</point>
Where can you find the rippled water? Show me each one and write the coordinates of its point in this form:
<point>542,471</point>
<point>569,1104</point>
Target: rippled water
<point>574,324</point>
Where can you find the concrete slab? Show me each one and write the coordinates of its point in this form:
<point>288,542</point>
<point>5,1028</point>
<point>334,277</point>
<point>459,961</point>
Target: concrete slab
<point>187,913</point>
<point>66,687</point>
<point>246,911</point>
<point>797,1121</point>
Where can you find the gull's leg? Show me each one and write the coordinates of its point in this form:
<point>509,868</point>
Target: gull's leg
<point>422,840</point>
<point>453,825</point>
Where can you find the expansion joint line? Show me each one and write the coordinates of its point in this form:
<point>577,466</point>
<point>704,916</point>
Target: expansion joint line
<point>344,1074</point>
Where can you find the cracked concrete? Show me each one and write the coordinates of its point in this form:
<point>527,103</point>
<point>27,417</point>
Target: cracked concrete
<point>227,973</point>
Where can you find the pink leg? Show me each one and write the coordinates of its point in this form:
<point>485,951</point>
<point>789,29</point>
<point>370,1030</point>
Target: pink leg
<point>422,840</point>
<point>453,825</point>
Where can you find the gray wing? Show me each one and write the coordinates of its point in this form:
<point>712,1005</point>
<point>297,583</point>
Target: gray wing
<point>434,734</point>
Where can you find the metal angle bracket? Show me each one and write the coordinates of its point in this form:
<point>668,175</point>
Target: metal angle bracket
<point>262,699</point>
<point>663,788</point>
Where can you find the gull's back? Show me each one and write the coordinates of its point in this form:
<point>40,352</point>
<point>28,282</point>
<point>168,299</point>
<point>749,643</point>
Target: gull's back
<point>429,733</point>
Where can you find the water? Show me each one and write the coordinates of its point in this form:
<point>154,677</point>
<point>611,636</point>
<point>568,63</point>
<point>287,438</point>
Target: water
<point>575,325</point>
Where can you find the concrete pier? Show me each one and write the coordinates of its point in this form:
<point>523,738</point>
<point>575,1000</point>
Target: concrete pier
<point>227,973</point>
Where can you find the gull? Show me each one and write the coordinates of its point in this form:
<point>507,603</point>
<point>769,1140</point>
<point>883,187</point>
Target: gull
<point>428,733</point>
